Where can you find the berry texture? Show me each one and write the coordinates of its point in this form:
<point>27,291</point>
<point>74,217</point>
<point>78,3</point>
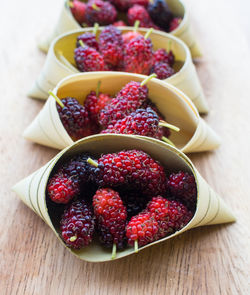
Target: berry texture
<point>134,168</point>
<point>111,45</point>
<point>78,10</point>
<point>161,55</point>
<point>88,59</point>
<point>160,218</point>
<point>70,179</point>
<point>182,187</point>
<point>174,24</point>
<point>61,189</point>
<point>110,34</point>
<point>89,39</point>
<point>140,13</point>
<point>141,122</point>
<point>140,2</point>
<point>130,98</point>
<point>162,131</point>
<point>162,70</point>
<point>117,109</point>
<point>127,37</point>
<point>111,217</point>
<point>133,91</point>
<point>98,11</point>
<point>94,104</point>
<point>180,214</point>
<point>170,215</point>
<point>160,14</point>
<point>142,228</point>
<point>78,169</point>
<point>138,56</point>
<point>77,225</point>
<point>74,118</point>
<point>123,5</point>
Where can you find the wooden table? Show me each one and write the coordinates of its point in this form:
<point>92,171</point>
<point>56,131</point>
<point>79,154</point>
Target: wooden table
<point>210,260</point>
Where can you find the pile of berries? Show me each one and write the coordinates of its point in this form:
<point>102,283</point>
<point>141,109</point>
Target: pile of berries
<point>129,112</point>
<point>127,198</point>
<point>151,13</point>
<point>129,52</point>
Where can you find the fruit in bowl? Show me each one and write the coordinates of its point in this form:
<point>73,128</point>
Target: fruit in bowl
<point>95,95</point>
<point>130,112</point>
<point>151,13</point>
<point>130,52</point>
<point>71,17</point>
<point>60,61</point>
<point>160,203</point>
<point>120,192</point>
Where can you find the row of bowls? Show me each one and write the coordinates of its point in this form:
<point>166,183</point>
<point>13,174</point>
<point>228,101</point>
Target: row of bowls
<point>179,98</point>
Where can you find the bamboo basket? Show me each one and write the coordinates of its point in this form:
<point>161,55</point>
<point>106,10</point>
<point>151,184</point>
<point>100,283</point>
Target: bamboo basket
<point>66,22</point>
<point>60,63</point>
<point>195,135</point>
<point>211,209</point>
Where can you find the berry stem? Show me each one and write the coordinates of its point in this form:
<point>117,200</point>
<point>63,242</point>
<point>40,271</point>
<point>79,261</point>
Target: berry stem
<point>96,27</point>
<point>95,7</point>
<point>170,126</point>
<point>168,141</point>
<point>148,79</point>
<point>58,100</point>
<point>98,88</point>
<point>92,162</point>
<point>113,251</point>
<point>136,246</point>
<point>136,25</point>
<point>81,43</point>
<point>148,33</point>
<point>73,238</point>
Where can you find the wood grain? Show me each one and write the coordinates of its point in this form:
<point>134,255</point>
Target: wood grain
<point>211,260</point>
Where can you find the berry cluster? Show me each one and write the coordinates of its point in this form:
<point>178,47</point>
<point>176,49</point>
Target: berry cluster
<point>182,187</point>
<point>75,118</point>
<point>151,14</point>
<point>141,122</point>
<point>132,168</point>
<point>161,218</point>
<point>133,201</point>
<point>111,217</point>
<point>77,225</point>
<point>129,112</point>
<point>130,98</point>
<point>69,179</point>
<point>130,52</point>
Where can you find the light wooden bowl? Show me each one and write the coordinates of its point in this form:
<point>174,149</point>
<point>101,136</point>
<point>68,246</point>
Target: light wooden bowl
<point>195,135</point>
<point>60,63</point>
<point>210,207</point>
<point>67,22</point>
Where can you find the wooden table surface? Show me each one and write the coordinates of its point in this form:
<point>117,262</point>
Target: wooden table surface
<point>210,260</point>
